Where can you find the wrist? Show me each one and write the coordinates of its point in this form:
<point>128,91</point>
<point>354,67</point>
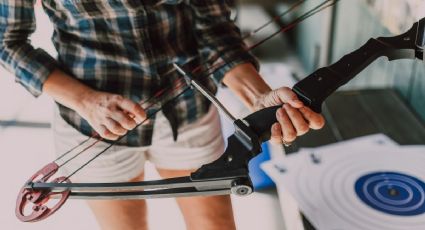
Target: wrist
<point>67,90</point>
<point>259,101</point>
<point>247,84</point>
<point>84,100</point>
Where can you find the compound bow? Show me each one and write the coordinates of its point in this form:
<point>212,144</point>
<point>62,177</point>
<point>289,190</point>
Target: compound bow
<point>228,174</point>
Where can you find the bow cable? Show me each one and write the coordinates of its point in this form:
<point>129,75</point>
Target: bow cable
<point>275,19</point>
<point>161,91</point>
<point>298,20</point>
<point>180,81</point>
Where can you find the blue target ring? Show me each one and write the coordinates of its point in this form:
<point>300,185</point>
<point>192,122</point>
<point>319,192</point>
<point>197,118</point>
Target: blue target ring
<point>392,193</point>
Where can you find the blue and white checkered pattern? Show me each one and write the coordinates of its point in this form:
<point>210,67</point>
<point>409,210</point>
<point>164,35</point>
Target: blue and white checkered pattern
<point>124,47</point>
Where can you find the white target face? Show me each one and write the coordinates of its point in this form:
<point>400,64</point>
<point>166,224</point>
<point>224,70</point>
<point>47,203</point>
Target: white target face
<point>346,187</point>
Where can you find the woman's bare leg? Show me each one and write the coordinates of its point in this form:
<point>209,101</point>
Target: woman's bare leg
<point>121,214</point>
<point>203,212</point>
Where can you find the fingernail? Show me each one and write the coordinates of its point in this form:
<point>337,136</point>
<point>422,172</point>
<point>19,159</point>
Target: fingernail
<point>298,101</point>
<point>279,112</point>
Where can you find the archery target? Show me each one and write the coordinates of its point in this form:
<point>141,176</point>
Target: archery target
<point>363,187</point>
<point>392,193</point>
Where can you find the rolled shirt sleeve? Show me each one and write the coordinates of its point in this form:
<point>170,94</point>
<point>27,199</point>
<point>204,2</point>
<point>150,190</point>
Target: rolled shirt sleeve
<point>31,66</point>
<point>217,34</point>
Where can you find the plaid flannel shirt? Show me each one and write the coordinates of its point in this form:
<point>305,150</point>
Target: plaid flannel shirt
<point>124,47</point>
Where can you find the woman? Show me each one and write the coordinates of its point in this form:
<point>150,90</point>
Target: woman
<point>113,54</point>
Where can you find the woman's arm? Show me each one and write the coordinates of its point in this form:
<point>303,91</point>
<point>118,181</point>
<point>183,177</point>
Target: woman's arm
<point>31,66</point>
<point>109,114</point>
<point>215,31</point>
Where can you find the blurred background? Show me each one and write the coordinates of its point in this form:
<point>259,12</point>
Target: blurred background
<point>26,138</point>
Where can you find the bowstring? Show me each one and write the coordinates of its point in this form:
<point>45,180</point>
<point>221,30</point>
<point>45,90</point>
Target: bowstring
<point>213,68</point>
<point>162,91</point>
<point>303,17</point>
<point>275,19</point>
<point>113,143</point>
<point>291,25</point>
<point>100,139</point>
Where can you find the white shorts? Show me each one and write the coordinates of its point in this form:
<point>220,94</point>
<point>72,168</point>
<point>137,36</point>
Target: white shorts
<point>198,143</point>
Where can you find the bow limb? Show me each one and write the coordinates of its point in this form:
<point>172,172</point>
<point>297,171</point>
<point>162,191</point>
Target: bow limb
<point>315,88</point>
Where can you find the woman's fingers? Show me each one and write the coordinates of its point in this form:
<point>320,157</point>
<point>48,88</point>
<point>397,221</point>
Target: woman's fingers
<point>105,133</point>
<point>294,119</point>
<point>114,127</point>
<point>133,108</point>
<point>276,134</point>
<point>286,95</point>
<point>111,115</point>
<point>297,119</point>
<point>288,130</point>
<point>315,120</point>
<point>293,122</point>
<point>123,119</point>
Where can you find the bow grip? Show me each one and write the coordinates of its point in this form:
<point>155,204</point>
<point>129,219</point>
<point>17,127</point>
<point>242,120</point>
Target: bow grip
<point>261,121</point>
<point>315,88</point>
